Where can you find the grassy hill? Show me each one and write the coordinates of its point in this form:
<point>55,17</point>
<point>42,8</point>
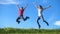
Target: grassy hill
<point>28,31</point>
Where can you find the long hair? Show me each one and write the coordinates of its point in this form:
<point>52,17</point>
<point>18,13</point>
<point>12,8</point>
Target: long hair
<point>41,6</point>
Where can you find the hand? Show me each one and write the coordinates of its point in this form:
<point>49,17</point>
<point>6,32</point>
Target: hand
<point>17,4</point>
<point>49,6</point>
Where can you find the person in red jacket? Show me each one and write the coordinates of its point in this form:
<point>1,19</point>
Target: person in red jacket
<point>21,12</point>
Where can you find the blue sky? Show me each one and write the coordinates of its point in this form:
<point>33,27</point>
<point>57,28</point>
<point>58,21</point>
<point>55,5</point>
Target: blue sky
<point>9,13</point>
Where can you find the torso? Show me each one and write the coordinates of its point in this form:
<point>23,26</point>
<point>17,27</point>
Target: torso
<point>39,12</point>
<point>21,12</point>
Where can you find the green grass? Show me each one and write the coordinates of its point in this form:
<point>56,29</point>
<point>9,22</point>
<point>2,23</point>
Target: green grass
<point>28,31</point>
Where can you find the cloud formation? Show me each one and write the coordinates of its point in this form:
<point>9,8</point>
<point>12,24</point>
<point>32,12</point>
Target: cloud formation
<point>57,23</point>
<point>9,2</point>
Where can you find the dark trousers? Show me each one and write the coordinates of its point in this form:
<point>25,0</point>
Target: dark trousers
<point>21,17</point>
<point>43,21</point>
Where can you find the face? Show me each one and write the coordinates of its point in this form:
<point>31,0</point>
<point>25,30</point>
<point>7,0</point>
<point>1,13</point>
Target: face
<point>40,7</point>
<point>21,8</point>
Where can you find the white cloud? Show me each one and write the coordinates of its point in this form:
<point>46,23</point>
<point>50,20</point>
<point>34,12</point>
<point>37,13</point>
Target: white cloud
<point>9,2</point>
<point>57,23</point>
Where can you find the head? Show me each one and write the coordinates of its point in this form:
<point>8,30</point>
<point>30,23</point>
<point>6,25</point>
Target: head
<point>21,8</point>
<point>40,7</point>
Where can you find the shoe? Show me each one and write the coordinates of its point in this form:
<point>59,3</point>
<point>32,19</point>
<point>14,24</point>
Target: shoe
<point>47,24</point>
<point>27,17</point>
<point>39,26</point>
<point>18,22</point>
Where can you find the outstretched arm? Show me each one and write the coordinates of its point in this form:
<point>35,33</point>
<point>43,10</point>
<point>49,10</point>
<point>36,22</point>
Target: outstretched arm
<point>35,5</point>
<point>47,7</point>
<point>18,6</point>
<point>26,6</point>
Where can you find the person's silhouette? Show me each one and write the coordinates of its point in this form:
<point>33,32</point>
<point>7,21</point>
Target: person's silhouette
<point>40,15</point>
<point>21,11</point>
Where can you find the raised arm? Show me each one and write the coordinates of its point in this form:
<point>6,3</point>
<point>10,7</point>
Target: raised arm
<point>18,6</point>
<point>35,5</point>
<point>26,6</point>
<point>47,7</point>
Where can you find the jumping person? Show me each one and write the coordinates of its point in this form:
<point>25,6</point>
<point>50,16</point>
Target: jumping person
<point>21,12</point>
<point>40,15</point>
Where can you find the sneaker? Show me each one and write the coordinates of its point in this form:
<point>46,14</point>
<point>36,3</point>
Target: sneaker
<point>18,22</point>
<point>27,17</point>
<point>47,24</point>
<point>39,26</point>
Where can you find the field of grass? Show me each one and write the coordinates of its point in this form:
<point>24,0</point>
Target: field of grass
<point>28,31</point>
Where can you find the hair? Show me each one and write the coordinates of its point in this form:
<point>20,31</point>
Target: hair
<point>22,7</point>
<point>41,6</point>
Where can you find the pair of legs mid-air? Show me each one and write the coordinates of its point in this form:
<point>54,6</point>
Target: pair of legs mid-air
<point>21,17</point>
<point>43,21</point>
